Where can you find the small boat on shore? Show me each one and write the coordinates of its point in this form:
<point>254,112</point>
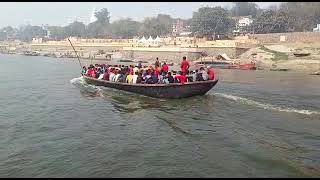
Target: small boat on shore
<point>31,53</point>
<point>169,91</point>
<point>315,73</point>
<point>222,61</point>
<point>250,66</point>
<point>301,54</point>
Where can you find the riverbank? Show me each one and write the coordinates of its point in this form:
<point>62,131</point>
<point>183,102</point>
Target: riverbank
<point>276,56</point>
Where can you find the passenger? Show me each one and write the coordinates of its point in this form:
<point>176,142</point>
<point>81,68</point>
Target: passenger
<point>194,75</point>
<point>101,76</point>
<point>165,68</point>
<point>139,65</point>
<point>184,65</point>
<point>84,70</point>
<point>147,76</point>
<point>131,70</point>
<point>129,78</point>
<point>118,76</point>
<point>199,76</point>
<point>106,76</point>
<point>135,69</point>
<point>112,74</point>
<point>181,77</point>
<point>204,74</point>
<point>157,71</point>
<point>140,78</point>
<point>170,78</point>
<point>164,78</point>
<point>157,63</point>
<point>135,78</point>
<point>211,73</point>
<point>97,71</point>
<point>91,73</point>
<point>124,76</point>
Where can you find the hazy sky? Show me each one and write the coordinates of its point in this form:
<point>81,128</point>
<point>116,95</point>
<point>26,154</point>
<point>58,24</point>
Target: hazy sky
<point>62,13</point>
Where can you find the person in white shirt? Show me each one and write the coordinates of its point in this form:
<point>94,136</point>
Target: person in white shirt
<point>135,69</point>
<point>134,78</point>
<point>101,76</point>
<point>112,75</point>
<point>116,78</point>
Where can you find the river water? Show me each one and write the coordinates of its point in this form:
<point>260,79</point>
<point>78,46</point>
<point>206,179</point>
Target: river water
<point>252,124</point>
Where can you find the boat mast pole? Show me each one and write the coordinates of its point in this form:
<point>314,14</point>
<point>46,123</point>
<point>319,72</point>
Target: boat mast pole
<point>76,55</point>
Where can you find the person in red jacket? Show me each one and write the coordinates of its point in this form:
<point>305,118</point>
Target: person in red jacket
<point>184,65</point>
<point>211,73</point>
<point>91,72</point>
<point>165,68</point>
<point>181,77</point>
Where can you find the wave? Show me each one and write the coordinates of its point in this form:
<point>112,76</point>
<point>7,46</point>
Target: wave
<point>265,105</point>
<point>80,83</point>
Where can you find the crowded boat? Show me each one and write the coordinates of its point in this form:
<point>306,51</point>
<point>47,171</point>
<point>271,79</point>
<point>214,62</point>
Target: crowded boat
<point>157,74</point>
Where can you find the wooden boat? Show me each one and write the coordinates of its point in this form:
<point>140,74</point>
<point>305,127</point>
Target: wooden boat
<point>170,91</point>
<point>31,53</point>
<point>301,54</point>
<point>315,73</point>
<point>249,66</point>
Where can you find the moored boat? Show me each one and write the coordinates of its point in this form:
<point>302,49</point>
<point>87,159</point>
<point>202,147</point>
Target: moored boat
<point>301,54</point>
<point>170,91</point>
<point>250,66</point>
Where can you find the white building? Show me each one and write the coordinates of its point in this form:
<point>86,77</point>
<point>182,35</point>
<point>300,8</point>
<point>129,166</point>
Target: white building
<point>317,29</point>
<point>36,40</point>
<point>244,21</point>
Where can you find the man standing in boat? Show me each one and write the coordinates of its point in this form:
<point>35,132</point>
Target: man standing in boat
<point>184,65</point>
<point>157,63</point>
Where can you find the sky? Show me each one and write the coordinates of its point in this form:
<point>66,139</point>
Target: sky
<point>62,13</point>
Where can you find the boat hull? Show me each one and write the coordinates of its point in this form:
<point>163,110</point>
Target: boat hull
<point>169,91</point>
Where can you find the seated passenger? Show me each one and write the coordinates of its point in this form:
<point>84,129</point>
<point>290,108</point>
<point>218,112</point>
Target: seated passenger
<point>117,77</point>
<point>204,74</point>
<point>139,78</point>
<point>112,74</point>
<point>155,78</point>
<point>181,77</point>
<point>135,78</point>
<point>84,70</point>
<point>106,76</point>
<point>199,76</point>
<point>101,76</point>
<point>170,78</point>
<point>129,78</point>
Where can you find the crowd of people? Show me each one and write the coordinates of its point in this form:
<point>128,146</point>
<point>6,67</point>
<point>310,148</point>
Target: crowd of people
<point>157,74</point>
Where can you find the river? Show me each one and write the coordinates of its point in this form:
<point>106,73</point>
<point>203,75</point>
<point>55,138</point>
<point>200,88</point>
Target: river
<point>251,124</point>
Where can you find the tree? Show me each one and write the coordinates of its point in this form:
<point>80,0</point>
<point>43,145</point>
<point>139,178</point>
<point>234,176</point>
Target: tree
<point>75,29</point>
<point>244,9</point>
<point>103,16</point>
<point>7,33</point>
<point>211,21</point>
<point>28,32</point>
<point>124,28</point>
<point>306,14</point>
<point>57,32</point>
<point>155,26</point>
<point>271,21</point>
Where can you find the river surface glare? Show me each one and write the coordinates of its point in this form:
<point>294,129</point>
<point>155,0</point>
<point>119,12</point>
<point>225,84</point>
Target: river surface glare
<point>251,124</point>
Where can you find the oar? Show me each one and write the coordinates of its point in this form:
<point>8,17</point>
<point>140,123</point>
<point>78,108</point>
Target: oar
<point>76,55</point>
